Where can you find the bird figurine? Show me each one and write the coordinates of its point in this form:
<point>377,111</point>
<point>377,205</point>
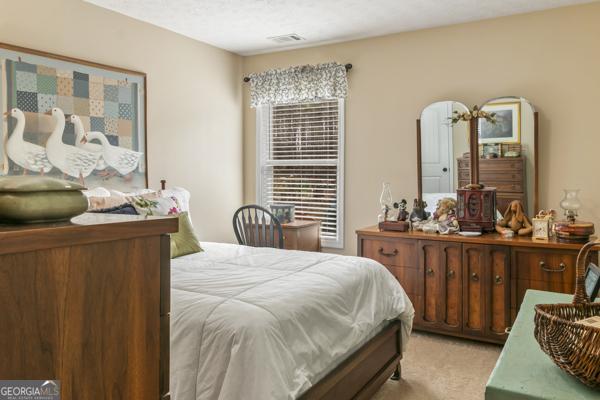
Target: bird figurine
<point>124,161</point>
<point>26,155</point>
<point>93,147</point>
<point>72,161</point>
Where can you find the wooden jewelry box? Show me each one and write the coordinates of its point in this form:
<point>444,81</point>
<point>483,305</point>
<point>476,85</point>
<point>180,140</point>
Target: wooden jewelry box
<point>476,209</point>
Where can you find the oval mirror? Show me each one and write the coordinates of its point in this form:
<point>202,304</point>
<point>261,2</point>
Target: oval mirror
<point>507,151</point>
<point>442,147</point>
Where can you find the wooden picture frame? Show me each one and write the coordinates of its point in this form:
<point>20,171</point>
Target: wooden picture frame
<point>110,100</point>
<point>592,281</point>
<point>507,128</point>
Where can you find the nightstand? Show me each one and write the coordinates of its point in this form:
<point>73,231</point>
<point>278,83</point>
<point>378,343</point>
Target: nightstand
<point>302,235</point>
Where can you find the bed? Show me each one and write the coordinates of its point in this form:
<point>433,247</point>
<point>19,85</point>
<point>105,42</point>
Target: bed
<point>261,323</point>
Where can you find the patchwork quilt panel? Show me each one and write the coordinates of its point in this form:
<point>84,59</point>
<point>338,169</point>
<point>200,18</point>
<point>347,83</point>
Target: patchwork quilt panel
<point>105,101</point>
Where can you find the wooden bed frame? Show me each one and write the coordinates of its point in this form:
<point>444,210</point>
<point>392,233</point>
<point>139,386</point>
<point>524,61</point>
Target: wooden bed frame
<point>363,373</point>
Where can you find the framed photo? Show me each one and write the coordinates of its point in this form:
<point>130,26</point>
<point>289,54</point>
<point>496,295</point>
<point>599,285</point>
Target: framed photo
<point>284,212</point>
<point>507,128</point>
<point>592,281</point>
<point>108,101</point>
<point>541,228</point>
<point>491,150</point>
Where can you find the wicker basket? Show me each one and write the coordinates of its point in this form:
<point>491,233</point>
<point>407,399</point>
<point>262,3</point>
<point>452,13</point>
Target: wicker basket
<point>575,348</point>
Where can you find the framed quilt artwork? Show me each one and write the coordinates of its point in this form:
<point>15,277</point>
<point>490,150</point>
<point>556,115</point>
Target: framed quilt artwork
<point>72,119</point>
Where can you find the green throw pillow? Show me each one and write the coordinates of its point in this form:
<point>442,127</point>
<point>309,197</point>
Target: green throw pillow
<point>185,241</point>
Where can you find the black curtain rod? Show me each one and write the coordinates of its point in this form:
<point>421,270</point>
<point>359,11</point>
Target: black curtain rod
<point>348,68</point>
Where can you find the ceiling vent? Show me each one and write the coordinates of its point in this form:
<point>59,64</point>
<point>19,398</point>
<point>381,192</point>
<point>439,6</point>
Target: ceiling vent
<point>289,38</point>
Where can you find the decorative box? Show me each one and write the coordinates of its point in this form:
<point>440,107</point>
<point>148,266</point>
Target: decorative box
<point>476,209</point>
<point>284,212</point>
<point>30,199</point>
<point>398,226</point>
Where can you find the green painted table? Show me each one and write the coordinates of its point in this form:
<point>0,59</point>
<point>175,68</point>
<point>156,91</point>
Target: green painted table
<point>524,371</point>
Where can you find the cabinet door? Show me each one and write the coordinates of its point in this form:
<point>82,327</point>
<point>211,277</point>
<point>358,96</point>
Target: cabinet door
<point>429,290</point>
<point>474,260</point>
<point>451,286</point>
<point>498,291</point>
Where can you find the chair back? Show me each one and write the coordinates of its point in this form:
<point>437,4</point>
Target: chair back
<point>256,226</point>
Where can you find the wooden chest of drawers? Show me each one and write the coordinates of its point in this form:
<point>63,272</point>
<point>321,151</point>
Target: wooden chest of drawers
<point>507,175</point>
<point>302,235</point>
<point>470,287</point>
<point>88,303</point>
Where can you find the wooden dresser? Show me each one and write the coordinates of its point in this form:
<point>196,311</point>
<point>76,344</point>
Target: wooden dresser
<point>87,303</point>
<point>507,175</point>
<point>470,286</point>
<point>302,235</point>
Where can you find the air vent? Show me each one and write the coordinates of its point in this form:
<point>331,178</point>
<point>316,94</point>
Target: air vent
<point>292,37</point>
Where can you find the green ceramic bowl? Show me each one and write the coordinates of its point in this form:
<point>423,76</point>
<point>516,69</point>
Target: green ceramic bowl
<point>33,199</point>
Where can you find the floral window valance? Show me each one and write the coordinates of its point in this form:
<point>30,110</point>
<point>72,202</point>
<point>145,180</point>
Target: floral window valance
<point>298,84</point>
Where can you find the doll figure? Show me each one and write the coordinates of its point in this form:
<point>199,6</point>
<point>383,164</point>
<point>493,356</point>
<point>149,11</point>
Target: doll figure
<point>445,207</point>
<point>515,220</point>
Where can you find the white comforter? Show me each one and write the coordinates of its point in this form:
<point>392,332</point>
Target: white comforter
<point>257,324</point>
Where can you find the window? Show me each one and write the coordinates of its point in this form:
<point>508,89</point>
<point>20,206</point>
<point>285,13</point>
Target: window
<point>300,162</point>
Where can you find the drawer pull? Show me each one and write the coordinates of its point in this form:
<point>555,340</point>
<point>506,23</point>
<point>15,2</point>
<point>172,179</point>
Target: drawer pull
<point>507,330</point>
<point>392,254</point>
<point>429,271</point>
<point>561,267</point>
<point>498,279</point>
<point>451,273</point>
<point>475,277</point>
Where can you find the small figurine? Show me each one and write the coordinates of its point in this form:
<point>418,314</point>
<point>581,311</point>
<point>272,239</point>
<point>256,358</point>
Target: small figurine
<point>402,213</point>
<point>515,220</point>
<point>418,213</point>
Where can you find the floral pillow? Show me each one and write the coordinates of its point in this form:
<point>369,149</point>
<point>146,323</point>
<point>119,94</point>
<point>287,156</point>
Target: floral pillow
<point>151,205</point>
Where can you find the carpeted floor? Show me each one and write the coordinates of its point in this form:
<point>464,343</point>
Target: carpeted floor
<point>437,367</point>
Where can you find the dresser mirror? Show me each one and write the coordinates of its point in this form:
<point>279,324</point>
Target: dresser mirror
<point>441,146</point>
<point>507,152</point>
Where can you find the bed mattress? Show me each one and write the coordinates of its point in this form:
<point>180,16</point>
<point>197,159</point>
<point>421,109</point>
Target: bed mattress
<point>259,323</point>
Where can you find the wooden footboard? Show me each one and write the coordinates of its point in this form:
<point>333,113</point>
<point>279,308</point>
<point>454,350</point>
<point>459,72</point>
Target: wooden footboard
<point>359,376</point>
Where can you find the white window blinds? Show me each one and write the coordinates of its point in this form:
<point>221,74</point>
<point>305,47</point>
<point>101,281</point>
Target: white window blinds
<point>300,153</point>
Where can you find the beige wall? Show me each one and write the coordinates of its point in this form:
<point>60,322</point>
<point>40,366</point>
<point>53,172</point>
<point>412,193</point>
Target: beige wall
<point>548,57</point>
<point>194,96</point>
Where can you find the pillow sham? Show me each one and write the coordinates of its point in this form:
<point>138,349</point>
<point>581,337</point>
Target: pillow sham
<point>185,240</point>
<point>182,196</point>
<point>147,205</point>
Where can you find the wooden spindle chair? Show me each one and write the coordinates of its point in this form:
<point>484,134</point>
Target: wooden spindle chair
<point>256,226</point>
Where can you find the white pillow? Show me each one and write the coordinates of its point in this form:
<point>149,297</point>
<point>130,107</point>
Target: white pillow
<point>182,196</point>
<point>130,194</point>
<point>96,192</point>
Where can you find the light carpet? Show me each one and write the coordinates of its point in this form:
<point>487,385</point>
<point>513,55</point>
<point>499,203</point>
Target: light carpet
<point>440,367</point>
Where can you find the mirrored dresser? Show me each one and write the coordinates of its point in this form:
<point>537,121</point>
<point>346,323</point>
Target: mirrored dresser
<point>473,286</point>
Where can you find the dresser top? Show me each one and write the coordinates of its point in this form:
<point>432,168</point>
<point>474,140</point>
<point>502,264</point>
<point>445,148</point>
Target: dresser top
<point>83,229</point>
<point>300,223</point>
<point>486,238</point>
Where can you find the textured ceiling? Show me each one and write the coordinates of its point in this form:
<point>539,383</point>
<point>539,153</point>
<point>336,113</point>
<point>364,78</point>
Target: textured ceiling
<point>243,26</point>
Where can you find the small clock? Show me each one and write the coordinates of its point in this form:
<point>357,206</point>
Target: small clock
<point>541,228</point>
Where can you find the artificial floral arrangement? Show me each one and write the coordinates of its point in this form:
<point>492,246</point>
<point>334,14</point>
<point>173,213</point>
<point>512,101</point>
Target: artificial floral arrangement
<point>476,112</point>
